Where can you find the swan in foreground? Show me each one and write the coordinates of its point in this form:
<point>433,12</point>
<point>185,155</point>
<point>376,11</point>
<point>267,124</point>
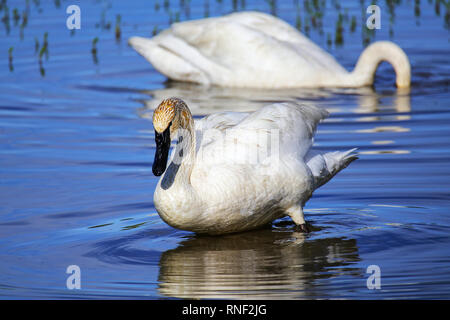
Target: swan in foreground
<point>234,171</point>
<point>253,49</point>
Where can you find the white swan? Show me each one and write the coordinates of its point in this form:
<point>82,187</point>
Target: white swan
<point>253,49</point>
<point>234,171</point>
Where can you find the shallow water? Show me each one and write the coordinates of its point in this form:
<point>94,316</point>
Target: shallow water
<point>77,147</point>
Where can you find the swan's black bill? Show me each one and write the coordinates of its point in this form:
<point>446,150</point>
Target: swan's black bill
<point>162,151</point>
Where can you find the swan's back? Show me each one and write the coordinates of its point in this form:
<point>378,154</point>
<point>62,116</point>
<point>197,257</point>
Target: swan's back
<point>294,123</point>
<point>232,138</point>
<point>244,49</point>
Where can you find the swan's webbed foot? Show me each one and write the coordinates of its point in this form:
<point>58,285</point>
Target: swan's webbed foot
<point>303,228</point>
<point>296,214</point>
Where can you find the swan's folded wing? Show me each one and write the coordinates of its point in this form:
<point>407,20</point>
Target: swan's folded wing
<point>270,25</point>
<point>174,57</point>
<point>206,34</point>
<point>247,49</point>
<point>213,126</point>
<point>294,124</point>
<point>167,61</point>
<point>285,33</point>
<point>275,131</point>
<point>220,121</point>
<point>254,41</point>
<point>247,55</point>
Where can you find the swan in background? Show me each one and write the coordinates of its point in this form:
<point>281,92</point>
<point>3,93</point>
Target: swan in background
<point>221,177</point>
<point>257,50</point>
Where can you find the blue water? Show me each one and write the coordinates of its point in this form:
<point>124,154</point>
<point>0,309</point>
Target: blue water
<point>76,149</point>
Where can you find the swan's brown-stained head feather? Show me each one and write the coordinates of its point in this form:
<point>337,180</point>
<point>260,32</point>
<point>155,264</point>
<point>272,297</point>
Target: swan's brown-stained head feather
<point>164,114</point>
<point>171,111</point>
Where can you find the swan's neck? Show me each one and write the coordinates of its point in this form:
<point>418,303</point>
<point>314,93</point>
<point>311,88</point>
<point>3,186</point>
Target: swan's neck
<point>176,200</point>
<point>373,55</point>
<point>178,174</point>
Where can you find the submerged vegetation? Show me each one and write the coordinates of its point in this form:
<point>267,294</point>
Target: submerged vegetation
<point>94,50</point>
<point>43,52</point>
<point>339,37</point>
<point>10,59</point>
<point>155,31</point>
<point>118,31</point>
<point>307,16</point>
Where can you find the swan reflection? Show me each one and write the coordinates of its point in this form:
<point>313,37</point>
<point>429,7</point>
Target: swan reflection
<point>261,264</point>
<point>371,102</point>
<point>203,100</point>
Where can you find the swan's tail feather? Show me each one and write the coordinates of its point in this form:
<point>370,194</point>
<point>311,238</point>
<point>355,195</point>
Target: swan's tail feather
<point>142,45</point>
<point>325,166</point>
<point>168,62</point>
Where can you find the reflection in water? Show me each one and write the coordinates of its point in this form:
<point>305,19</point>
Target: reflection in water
<point>261,264</point>
<point>204,100</point>
<point>384,129</point>
<point>370,102</point>
<point>382,142</point>
<point>385,152</point>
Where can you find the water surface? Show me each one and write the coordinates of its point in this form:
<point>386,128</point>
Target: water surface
<point>76,149</point>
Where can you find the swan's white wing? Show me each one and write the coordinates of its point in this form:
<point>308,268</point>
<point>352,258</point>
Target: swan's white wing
<point>246,37</point>
<point>246,49</point>
<point>285,33</point>
<point>209,128</point>
<point>294,123</point>
<point>172,57</point>
<point>279,130</point>
<point>220,121</point>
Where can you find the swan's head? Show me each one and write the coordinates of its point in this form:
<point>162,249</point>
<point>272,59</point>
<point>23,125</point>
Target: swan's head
<point>171,115</point>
